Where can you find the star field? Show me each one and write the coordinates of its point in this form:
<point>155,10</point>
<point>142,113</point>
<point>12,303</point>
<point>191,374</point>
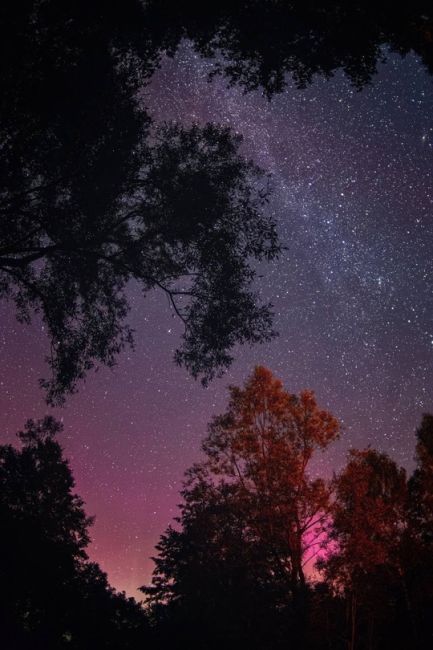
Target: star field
<point>352,178</point>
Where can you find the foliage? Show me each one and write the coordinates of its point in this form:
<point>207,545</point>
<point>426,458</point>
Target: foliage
<point>369,526</point>
<point>226,573</point>
<point>369,513</point>
<point>260,44</point>
<point>52,597</point>
<point>92,196</point>
<point>421,484</point>
<point>251,516</point>
<point>232,569</point>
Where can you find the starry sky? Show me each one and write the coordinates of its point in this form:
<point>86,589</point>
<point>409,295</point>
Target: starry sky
<point>352,176</point>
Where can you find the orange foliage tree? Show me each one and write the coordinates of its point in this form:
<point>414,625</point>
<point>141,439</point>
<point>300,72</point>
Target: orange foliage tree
<point>264,443</point>
<point>251,518</point>
<point>369,529</point>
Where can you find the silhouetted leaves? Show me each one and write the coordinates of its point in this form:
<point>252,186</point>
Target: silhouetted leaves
<point>93,196</point>
<point>51,596</point>
<point>257,43</point>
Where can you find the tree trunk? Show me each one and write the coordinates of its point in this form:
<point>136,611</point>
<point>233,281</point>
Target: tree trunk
<point>352,622</point>
<point>370,632</point>
<point>410,613</point>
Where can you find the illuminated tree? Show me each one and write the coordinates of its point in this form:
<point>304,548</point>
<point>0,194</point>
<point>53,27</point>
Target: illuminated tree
<point>262,510</point>
<point>369,524</point>
<point>264,443</point>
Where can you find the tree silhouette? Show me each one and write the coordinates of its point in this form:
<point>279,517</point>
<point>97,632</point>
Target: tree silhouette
<point>421,483</point>
<point>212,582</point>
<point>258,44</point>
<point>250,509</point>
<point>419,548</point>
<point>92,196</point>
<point>52,596</point>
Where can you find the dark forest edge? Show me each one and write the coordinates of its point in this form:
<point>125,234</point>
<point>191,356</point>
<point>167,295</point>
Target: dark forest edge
<point>93,194</point>
<point>236,570</point>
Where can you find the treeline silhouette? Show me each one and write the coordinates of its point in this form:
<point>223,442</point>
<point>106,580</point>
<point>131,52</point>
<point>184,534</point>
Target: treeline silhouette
<point>94,194</point>
<point>51,595</point>
<point>264,554</point>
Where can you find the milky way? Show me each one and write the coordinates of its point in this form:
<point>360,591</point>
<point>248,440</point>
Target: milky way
<point>352,177</point>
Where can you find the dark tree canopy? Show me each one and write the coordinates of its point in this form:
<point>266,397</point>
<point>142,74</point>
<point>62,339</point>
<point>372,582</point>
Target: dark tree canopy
<point>93,195</point>
<point>51,596</point>
<point>212,583</point>
<point>258,42</point>
<point>419,550</point>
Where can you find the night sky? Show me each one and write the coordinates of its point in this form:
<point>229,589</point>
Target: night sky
<point>353,296</point>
